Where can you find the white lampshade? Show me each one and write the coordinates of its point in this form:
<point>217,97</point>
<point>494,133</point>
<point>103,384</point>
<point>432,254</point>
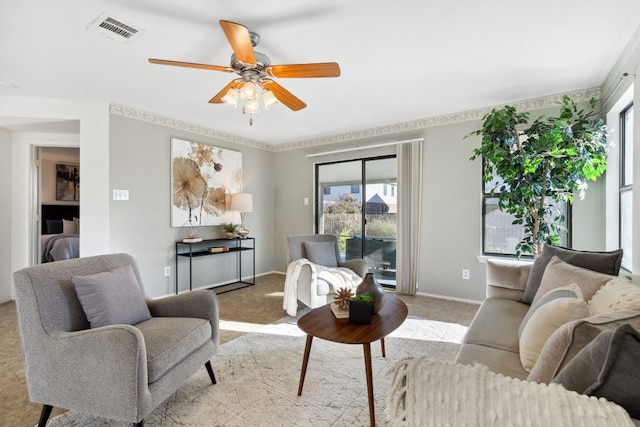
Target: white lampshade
<point>231,97</point>
<point>269,99</point>
<point>249,92</point>
<point>252,106</point>
<point>241,202</point>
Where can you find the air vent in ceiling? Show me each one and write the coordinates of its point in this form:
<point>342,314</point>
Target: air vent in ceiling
<point>115,29</point>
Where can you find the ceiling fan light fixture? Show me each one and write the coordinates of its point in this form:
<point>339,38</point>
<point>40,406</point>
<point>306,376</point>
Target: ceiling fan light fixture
<point>269,99</point>
<point>231,97</point>
<point>249,92</point>
<point>252,106</point>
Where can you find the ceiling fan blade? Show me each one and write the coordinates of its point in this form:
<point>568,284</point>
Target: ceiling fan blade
<point>238,36</point>
<point>218,98</point>
<point>321,69</point>
<point>284,96</point>
<point>191,65</point>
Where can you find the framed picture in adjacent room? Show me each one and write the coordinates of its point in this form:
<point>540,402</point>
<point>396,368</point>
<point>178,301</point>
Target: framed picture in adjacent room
<point>67,182</point>
<point>203,178</point>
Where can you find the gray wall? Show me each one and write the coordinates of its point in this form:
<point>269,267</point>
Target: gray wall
<point>140,162</point>
<point>451,230</point>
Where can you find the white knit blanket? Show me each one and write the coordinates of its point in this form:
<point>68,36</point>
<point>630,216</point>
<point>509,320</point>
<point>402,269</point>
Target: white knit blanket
<point>337,278</point>
<point>428,393</point>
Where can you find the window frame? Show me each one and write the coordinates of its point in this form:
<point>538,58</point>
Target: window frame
<point>624,185</point>
<point>486,195</point>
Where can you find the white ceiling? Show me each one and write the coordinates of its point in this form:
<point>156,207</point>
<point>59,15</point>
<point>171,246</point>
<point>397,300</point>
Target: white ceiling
<point>401,61</point>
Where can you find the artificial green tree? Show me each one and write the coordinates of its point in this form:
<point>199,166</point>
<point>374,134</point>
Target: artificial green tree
<point>540,165</point>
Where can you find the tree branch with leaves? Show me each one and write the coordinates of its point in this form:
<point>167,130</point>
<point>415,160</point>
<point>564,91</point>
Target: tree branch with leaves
<point>539,166</point>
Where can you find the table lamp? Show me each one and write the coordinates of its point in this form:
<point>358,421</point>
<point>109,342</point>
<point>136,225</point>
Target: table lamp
<point>242,202</point>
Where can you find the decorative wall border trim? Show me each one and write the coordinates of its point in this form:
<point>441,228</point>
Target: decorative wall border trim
<point>146,116</point>
<point>445,119</point>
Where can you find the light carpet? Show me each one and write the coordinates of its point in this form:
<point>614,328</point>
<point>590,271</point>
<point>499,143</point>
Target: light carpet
<point>258,376</point>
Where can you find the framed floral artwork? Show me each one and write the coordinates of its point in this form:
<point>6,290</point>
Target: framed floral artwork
<point>203,177</point>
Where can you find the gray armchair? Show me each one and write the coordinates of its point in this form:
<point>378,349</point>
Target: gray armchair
<point>117,371</point>
<point>316,294</point>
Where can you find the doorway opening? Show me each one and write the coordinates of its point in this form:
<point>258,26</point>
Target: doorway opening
<point>56,203</point>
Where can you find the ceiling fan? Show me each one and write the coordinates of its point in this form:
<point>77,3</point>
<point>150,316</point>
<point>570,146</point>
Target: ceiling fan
<point>255,71</point>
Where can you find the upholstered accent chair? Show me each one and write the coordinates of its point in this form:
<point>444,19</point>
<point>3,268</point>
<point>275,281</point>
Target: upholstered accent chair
<point>78,355</point>
<point>315,294</point>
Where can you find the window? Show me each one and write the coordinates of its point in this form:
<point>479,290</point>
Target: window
<point>363,220</point>
<point>499,235</point>
<point>626,185</point>
<point>326,191</point>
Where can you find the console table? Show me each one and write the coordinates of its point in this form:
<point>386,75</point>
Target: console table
<point>201,249</point>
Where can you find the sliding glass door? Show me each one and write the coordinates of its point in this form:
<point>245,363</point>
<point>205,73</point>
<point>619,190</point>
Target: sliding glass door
<point>357,201</point>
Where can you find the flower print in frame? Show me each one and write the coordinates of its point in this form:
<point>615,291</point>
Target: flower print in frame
<point>203,177</point>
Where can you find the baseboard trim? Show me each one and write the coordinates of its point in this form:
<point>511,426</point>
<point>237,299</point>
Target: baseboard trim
<point>445,297</point>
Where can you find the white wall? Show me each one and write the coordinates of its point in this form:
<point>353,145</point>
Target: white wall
<point>622,91</point>
<point>94,155</point>
<point>5,216</point>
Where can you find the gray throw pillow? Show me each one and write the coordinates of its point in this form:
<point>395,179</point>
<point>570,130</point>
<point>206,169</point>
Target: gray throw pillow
<point>607,367</point>
<point>602,262</point>
<point>112,297</point>
<point>321,253</point>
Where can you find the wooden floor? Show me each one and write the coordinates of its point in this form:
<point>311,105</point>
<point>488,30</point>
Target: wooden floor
<point>264,300</point>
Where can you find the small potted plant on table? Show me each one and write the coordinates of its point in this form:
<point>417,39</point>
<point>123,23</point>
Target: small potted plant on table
<point>229,230</point>
<point>361,309</point>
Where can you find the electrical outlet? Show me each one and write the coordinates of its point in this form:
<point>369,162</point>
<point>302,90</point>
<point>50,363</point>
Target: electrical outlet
<point>167,271</point>
<point>466,274</point>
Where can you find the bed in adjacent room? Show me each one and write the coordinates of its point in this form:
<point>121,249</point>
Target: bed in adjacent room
<point>60,238</point>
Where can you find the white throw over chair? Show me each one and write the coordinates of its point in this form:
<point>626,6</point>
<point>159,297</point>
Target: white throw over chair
<point>315,294</point>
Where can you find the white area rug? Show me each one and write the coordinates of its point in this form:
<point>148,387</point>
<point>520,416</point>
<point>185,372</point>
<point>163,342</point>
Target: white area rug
<point>258,376</point>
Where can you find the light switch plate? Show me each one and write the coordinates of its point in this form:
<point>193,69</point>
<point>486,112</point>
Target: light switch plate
<point>120,194</point>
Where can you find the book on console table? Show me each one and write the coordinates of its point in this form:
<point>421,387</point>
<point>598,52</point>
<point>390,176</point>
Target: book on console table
<point>340,313</point>
<point>192,240</point>
<point>217,249</point>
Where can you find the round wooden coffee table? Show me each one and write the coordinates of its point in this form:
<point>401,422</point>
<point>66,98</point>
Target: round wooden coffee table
<point>321,323</point>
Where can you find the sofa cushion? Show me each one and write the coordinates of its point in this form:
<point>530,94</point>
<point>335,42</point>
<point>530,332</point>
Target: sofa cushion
<point>112,297</point>
<point>500,361</point>
<point>168,340</point>
<point>571,291</point>
<point>321,253</point>
<point>572,337</point>
<point>559,273</point>
<point>603,262</point>
<point>544,322</point>
<point>496,324</point>
<point>617,294</point>
<point>607,367</point>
